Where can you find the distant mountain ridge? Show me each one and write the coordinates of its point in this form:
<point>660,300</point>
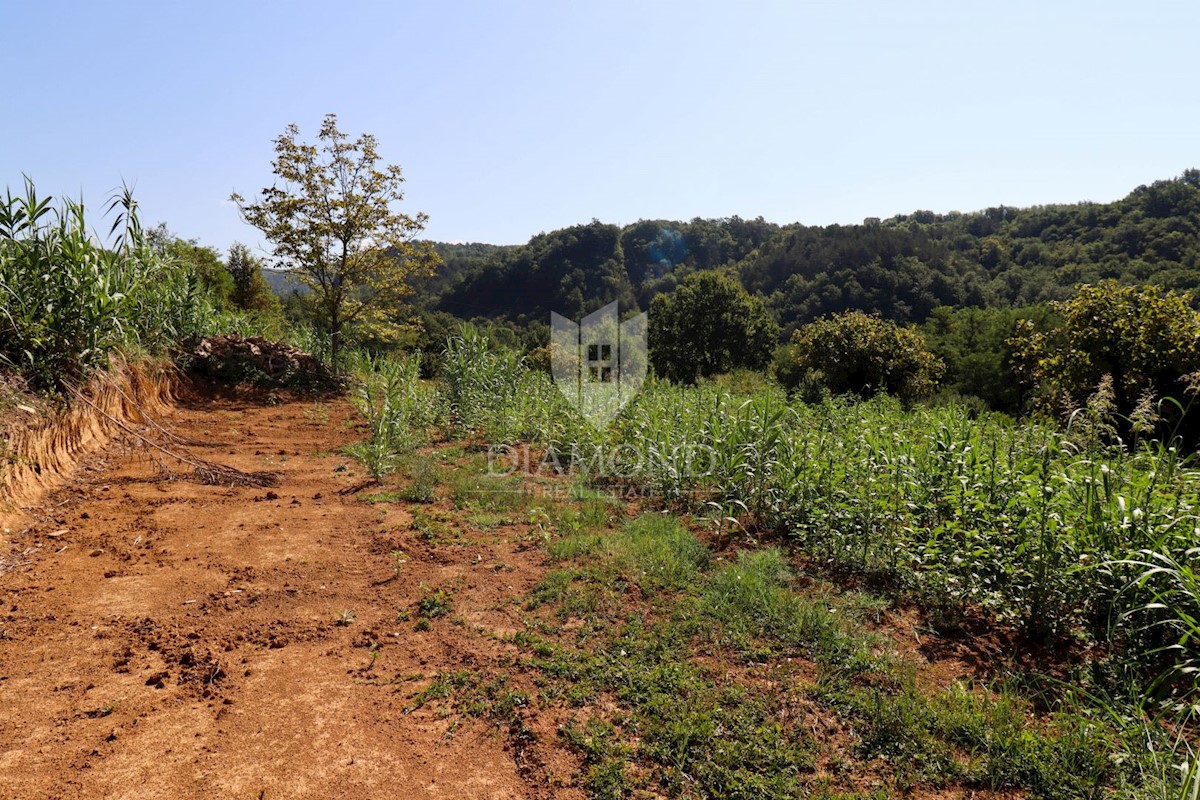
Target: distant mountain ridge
<point>282,282</point>
<point>457,259</point>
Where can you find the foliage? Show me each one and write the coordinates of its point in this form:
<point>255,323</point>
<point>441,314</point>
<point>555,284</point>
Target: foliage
<point>202,262</point>
<point>976,346</point>
<point>576,270</point>
<point>66,303</point>
<point>398,407</point>
<point>961,511</point>
<point>692,724</point>
<point>332,225</point>
<point>906,266</point>
<point>863,354</point>
<point>490,393</point>
<point>710,325</point>
<point>457,261</point>
<point>1146,339</point>
<point>573,272</point>
<point>249,290</point>
<point>902,268</point>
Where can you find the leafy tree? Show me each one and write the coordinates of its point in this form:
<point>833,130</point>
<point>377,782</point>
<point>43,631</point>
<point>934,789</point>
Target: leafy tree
<point>863,354</point>
<point>709,326</point>
<point>572,271</point>
<point>203,262</point>
<point>975,345</point>
<point>901,268</point>
<point>1145,338</point>
<point>333,226</point>
<point>250,289</point>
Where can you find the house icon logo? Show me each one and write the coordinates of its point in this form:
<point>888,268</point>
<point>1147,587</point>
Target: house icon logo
<point>599,364</point>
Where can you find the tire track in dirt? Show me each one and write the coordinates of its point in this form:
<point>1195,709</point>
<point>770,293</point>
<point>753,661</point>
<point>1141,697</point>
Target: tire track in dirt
<point>160,638</point>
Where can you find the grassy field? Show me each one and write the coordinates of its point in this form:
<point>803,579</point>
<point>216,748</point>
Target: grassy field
<point>728,559</point>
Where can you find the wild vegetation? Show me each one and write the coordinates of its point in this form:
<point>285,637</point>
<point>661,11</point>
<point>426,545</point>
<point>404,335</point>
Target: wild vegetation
<point>1072,531</point>
<point>1075,541</point>
<point>67,303</point>
<point>902,267</point>
<point>964,278</point>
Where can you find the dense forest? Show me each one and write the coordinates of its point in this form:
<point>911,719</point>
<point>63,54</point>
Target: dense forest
<point>902,268</point>
<point>968,281</point>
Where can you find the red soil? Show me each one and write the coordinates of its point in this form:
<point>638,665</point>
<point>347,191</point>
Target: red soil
<point>164,638</point>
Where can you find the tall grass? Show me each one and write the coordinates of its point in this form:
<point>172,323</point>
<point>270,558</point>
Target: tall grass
<point>67,302</point>
<point>1060,531</point>
<point>492,395</point>
<point>399,407</point>
<point>1067,533</point>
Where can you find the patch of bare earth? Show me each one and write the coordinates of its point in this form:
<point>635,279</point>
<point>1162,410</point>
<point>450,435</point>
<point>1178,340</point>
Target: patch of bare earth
<point>161,638</point>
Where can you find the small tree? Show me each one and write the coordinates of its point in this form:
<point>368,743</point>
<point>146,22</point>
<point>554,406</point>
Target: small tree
<point>710,325</point>
<point>862,354</point>
<point>203,262</point>
<point>332,225</point>
<point>250,289</point>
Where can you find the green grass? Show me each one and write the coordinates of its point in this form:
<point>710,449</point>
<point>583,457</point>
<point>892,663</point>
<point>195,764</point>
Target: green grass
<point>658,552</point>
<point>424,477</point>
<point>687,730</point>
<point>1069,537</point>
<point>708,662</point>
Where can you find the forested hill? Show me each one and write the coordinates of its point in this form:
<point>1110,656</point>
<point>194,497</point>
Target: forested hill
<point>902,267</point>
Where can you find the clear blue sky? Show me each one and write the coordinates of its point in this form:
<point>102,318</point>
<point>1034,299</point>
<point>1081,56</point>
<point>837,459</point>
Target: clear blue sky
<point>519,117</point>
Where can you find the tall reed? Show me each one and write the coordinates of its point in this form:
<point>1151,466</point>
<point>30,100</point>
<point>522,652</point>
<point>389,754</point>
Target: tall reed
<point>67,302</point>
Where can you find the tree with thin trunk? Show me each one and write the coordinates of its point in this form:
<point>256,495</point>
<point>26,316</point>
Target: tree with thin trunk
<point>332,225</point>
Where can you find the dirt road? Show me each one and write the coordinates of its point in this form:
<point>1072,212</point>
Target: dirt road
<point>161,638</point>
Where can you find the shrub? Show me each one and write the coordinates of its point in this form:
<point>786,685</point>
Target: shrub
<point>863,354</point>
<point>1145,338</point>
<point>66,302</point>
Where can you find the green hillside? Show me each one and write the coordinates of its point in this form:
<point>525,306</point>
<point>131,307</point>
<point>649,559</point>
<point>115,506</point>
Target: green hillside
<point>902,267</point>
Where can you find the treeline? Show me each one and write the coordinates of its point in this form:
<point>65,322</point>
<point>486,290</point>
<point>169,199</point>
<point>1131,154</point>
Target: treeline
<point>901,268</point>
<point>965,279</point>
<point>578,269</point>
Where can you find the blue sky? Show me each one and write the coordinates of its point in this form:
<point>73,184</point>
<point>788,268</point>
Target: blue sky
<point>515,118</point>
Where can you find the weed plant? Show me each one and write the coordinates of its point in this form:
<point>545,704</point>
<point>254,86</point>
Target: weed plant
<point>399,408</point>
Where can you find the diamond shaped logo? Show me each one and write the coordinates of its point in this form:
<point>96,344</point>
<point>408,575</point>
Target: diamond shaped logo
<point>599,364</point>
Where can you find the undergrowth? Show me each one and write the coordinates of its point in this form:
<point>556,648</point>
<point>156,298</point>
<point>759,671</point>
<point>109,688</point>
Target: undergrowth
<point>729,682</point>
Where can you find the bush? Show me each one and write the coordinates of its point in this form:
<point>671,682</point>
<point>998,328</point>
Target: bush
<point>66,302</point>
<point>1146,339</point>
<point>862,354</point>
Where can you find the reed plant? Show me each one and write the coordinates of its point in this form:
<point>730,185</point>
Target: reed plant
<point>67,301</point>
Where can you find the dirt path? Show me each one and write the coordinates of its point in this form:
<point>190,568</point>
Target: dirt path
<point>163,638</point>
